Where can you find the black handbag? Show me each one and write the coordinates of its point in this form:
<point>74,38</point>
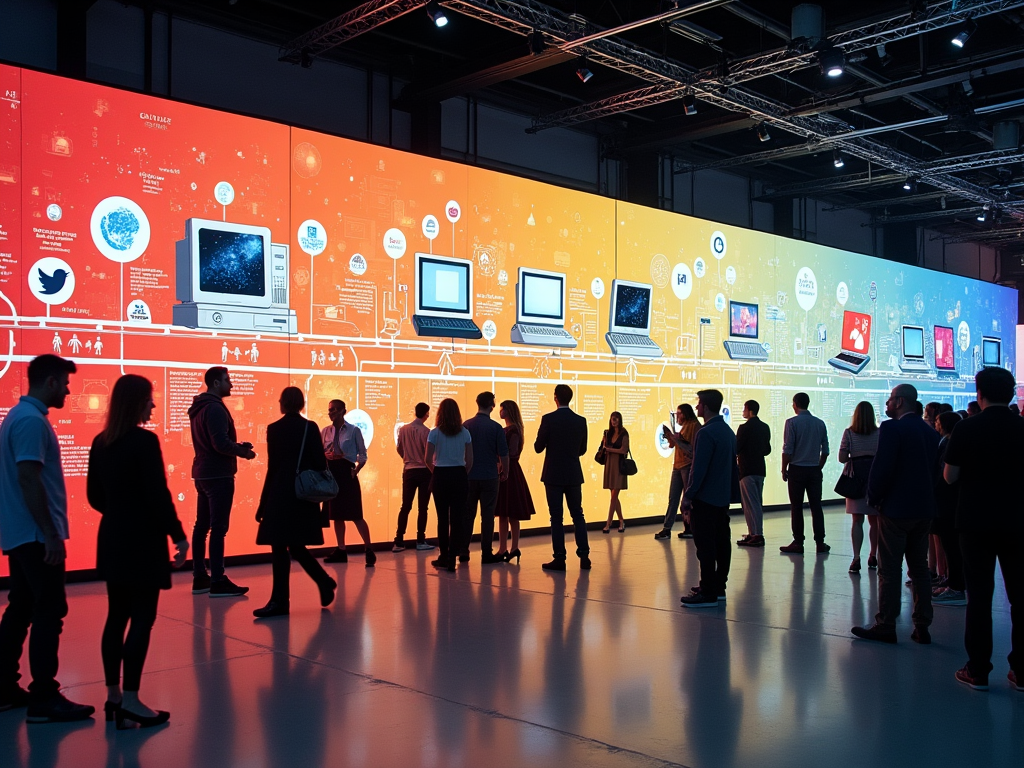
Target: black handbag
<point>311,484</point>
<point>627,466</point>
<point>853,484</point>
<point>600,457</point>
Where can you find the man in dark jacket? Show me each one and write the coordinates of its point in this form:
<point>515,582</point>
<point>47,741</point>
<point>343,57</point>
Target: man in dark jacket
<point>901,487</point>
<point>753,443</point>
<point>213,470</point>
<point>563,434</point>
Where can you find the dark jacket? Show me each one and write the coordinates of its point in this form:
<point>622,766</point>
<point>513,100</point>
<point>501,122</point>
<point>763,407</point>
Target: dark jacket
<point>946,495</point>
<point>213,438</point>
<point>563,434</point>
<point>285,518</point>
<point>127,485</point>
<point>753,443</point>
<point>902,480</point>
<point>714,477</point>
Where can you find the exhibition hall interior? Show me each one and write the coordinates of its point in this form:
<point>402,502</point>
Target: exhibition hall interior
<point>505,382</point>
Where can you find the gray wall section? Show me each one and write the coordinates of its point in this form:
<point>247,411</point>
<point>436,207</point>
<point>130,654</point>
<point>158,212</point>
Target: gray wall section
<point>200,64</point>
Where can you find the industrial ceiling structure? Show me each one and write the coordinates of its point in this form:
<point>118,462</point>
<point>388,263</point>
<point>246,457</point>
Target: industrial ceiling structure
<point>907,110</point>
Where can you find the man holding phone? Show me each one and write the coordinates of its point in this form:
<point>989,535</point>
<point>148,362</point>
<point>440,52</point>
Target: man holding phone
<point>682,458</point>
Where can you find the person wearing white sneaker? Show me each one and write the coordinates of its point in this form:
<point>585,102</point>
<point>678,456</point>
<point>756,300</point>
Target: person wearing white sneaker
<point>985,454</point>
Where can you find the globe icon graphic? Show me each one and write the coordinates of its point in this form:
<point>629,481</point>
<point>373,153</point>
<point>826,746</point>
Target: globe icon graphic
<point>119,228</point>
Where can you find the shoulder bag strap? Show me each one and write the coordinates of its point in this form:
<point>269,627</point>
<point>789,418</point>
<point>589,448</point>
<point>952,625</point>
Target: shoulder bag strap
<point>305,432</point>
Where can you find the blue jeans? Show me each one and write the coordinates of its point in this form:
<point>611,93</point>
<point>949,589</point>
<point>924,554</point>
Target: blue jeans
<point>213,514</point>
<point>675,496</point>
<point>574,499</point>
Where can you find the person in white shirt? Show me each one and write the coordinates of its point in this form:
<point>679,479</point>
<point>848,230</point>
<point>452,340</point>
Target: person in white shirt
<point>346,456</point>
<point>412,447</point>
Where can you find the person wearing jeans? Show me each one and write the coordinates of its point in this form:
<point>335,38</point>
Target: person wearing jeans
<point>682,459</point>
<point>213,470</point>
<point>412,447</point>
<point>450,457</point>
<point>804,453</point>
<point>490,467</point>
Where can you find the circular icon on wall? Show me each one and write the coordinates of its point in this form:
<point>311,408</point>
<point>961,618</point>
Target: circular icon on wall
<point>597,287</point>
<point>806,289</point>
<point>489,329</point>
<point>224,193</point>
<point>718,244</point>
<point>362,420</point>
<point>842,293</point>
<point>120,229</point>
<point>53,212</point>
<point>138,312</point>
<point>312,237</point>
<point>452,211</point>
<point>661,443</point>
<point>963,336</point>
<point>873,291</point>
<point>682,281</point>
<point>51,280</point>
<point>660,270</point>
<point>357,264</point>
<point>699,267</point>
<point>394,243</point>
<point>730,275</point>
<point>431,227</point>
<point>720,302</point>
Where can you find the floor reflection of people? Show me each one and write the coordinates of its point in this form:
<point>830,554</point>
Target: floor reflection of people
<point>214,737</point>
<point>804,659</point>
<point>565,695</point>
<point>715,712</point>
<point>295,707</point>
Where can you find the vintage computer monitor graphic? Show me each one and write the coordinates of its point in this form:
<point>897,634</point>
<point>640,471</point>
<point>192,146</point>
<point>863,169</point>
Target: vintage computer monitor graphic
<point>991,352</point>
<point>743,344</point>
<point>913,350</point>
<point>444,297</point>
<point>629,331</point>
<point>231,277</point>
<point>540,310</point>
<point>945,354</point>
<point>856,342</point>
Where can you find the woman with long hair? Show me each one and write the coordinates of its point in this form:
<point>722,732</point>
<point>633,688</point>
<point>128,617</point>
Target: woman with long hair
<point>514,500</point>
<point>289,524</point>
<point>127,485</point>
<point>953,591</point>
<point>450,457</point>
<point>615,443</point>
<point>857,450</point>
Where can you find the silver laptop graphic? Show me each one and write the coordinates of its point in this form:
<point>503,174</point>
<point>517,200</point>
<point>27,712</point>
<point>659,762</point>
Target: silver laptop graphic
<point>540,310</point>
<point>629,323</point>
<point>913,360</point>
<point>743,343</point>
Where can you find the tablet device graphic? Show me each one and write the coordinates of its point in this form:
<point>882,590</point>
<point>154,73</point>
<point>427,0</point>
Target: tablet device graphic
<point>856,341</point>
<point>913,360</point>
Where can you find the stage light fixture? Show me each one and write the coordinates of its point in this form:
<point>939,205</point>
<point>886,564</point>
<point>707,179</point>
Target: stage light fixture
<point>584,74</point>
<point>837,159</point>
<point>762,132</point>
<point>831,61</point>
<point>983,215</point>
<point>689,104</point>
<point>964,34</point>
<point>306,60</point>
<point>910,184</point>
<point>436,14</point>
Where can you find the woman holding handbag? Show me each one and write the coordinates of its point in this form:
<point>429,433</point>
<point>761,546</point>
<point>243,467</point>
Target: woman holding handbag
<point>289,524</point>
<point>615,446</point>
<point>857,451</point>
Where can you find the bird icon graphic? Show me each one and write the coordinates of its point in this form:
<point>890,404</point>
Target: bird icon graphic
<point>52,283</point>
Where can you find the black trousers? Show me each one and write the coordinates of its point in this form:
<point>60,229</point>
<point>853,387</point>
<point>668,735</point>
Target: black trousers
<point>281,568</point>
<point>450,489</point>
<point>900,539</point>
<point>134,605</point>
<point>414,481</point>
<point>945,528</point>
<point>711,536</point>
<point>573,495</point>
<point>35,598</point>
<point>981,550</point>
<point>806,480</point>
<point>213,515</point>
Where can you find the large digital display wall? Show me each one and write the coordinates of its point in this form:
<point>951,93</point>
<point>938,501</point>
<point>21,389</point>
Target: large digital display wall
<point>147,236</point>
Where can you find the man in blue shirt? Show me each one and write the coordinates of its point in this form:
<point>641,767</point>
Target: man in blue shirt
<point>490,467</point>
<point>33,529</point>
<point>804,453</point>
<point>707,498</point>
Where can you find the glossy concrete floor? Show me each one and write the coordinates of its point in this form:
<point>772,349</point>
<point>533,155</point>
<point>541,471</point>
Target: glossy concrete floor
<point>513,666</point>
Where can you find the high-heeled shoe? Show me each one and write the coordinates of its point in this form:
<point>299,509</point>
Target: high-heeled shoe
<point>622,527</point>
<point>514,553</point>
<point>371,558</point>
<point>109,709</point>
<point>605,530</point>
<point>121,715</point>
<point>872,562</point>
<point>327,592</point>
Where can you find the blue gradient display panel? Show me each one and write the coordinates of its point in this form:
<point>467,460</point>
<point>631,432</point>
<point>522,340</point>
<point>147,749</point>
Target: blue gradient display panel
<point>231,262</point>
<point>632,306</point>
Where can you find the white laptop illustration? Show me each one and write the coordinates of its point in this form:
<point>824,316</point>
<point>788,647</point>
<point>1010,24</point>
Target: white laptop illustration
<point>742,343</point>
<point>913,351</point>
<point>444,297</point>
<point>629,323</point>
<point>540,310</point>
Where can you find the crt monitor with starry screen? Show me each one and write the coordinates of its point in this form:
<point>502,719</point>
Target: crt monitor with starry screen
<point>228,264</point>
<point>631,307</point>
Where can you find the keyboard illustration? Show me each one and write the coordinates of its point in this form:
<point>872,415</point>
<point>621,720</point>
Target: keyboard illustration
<point>542,336</point>
<point>632,345</point>
<point>446,327</point>
<point>848,361</point>
<point>915,366</point>
<point>746,350</point>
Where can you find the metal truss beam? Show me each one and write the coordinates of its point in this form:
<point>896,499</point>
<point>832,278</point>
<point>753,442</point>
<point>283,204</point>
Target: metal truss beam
<point>906,199</point>
<point>1006,235</point>
<point>835,184</point>
<point>780,61</point>
<point>358,21</point>
<point>924,215</point>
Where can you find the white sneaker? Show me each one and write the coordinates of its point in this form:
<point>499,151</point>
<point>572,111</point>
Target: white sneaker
<point>422,546</point>
<point>398,547</point>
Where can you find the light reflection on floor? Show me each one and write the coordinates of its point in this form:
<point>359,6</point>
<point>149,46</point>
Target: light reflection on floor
<point>513,666</point>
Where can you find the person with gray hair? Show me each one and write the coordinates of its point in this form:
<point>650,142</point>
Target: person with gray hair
<point>901,487</point>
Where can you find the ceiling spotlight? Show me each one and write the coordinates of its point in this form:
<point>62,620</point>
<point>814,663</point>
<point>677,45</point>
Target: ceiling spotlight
<point>983,214</point>
<point>883,58</point>
<point>436,14</point>
<point>689,104</point>
<point>907,185</point>
<point>762,132</point>
<point>964,33</point>
<point>837,159</point>
<point>831,61</point>
<point>584,74</point>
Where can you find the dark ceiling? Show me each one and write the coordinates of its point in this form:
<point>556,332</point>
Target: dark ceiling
<point>920,110</point>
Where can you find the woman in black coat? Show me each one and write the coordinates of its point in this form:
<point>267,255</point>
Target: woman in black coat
<point>287,523</point>
<point>127,485</point>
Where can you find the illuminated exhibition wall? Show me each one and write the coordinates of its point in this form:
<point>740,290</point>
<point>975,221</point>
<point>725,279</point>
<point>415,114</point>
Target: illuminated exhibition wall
<point>300,267</point>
